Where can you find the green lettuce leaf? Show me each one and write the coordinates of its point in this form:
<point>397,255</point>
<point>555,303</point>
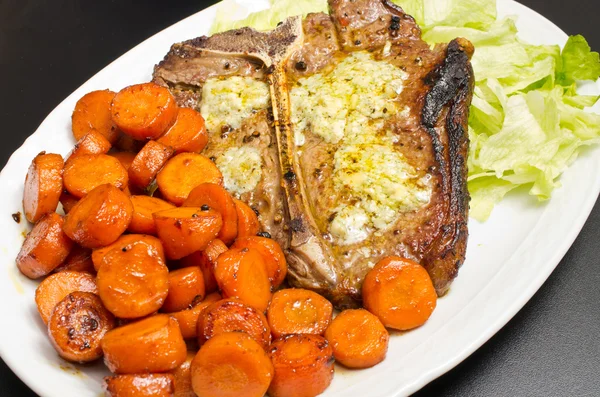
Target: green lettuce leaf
<point>578,62</point>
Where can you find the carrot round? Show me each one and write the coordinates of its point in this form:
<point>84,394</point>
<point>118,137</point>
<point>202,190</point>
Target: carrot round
<point>79,260</point>
<point>303,366</point>
<point>68,201</point>
<point>77,325</point>
<point>125,243</point>
<point>248,224</point>
<point>92,113</point>
<point>85,172</point>
<point>358,339</point>
<point>57,286</point>
<point>298,311</point>
<point>207,260</point>
<point>151,159</point>
<point>43,186</point>
<point>141,385</point>
<point>231,365</point>
<point>91,143</point>
<point>231,315</point>
<point>182,376</point>
<point>188,319</point>
<point>125,158</point>
<point>272,255</point>
<point>399,292</point>
<point>154,344</point>
<point>183,173</point>
<point>99,218</point>
<point>143,208</point>
<point>188,134</point>
<point>186,286</point>
<point>144,111</point>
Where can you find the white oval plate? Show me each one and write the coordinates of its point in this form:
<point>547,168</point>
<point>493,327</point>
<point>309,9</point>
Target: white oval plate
<point>509,257</point>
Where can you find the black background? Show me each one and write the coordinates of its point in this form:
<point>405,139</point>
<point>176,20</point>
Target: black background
<point>48,48</point>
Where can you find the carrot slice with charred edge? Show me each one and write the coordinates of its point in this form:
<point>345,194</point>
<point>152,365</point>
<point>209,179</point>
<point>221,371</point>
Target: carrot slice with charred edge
<point>186,286</point>
<point>188,134</point>
<point>144,111</point>
<point>133,281</point>
<point>231,365</point>
<point>54,289</point>
<point>183,377</point>
<point>183,173</point>
<point>154,344</point>
<point>217,198</point>
<point>77,325</point>
<point>303,366</point>
<point>241,274</point>
<point>43,186</point>
<point>272,255</point>
<point>399,292</point>
<point>68,201</point>
<point>186,230</point>
<point>91,143</point>
<point>188,319</point>
<point>92,113</point>
<point>141,385</point>
<point>151,159</point>
<point>125,158</point>
<point>247,219</point>
<point>207,260</point>
<point>358,339</point>
<point>299,311</point>
<point>84,173</point>
<point>99,218</point>
<point>79,260</point>
<point>126,242</point>
<point>231,315</point>
<point>143,208</point>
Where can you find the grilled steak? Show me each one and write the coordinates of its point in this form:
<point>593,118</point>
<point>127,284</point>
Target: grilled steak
<point>362,141</point>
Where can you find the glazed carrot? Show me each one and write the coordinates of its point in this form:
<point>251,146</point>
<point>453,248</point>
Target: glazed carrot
<point>143,208</point>
<point>85,172</point>
<point>91,143</point>
<point>142,385</point>
<point>99,218</point>
<point>144,111</point>
<point>133,282</point>
<point>247,219</point>
<point>45,247</point>
<point>154,344</point>
<point>186,286</point>
<point>207,260</point>
<point>358,339</point>
<point>57,286</point>
<point>303,366</point>
<point>298,311</point>
<point>272,255</point>
<point>188,319</point>
<point>231,365</point>
<point>216,197</point>
<point>183,377</point>
<point>241,274</point>
<point>183,173</point>
<point>186,230</point>
<point>68,201</point>
<point>126,242</point>
<point>77,325</point>
<point>188,134</point>
<point>148,162</point>
<point>231,315</point>
<point>43,186</point>
<point>399,292</point>
<point>126,143</point>
<point>92,113</point>
<point>125,158</point>
<point>79,260</point>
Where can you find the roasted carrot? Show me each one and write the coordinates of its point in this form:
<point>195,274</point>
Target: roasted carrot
<point>183,173</point>
<point>92,113</point>
<point>125,158</point>
<point>133,282</point>
<point>186,230</point>
<point>85,172</point>
<point>231,365</point>
<point>247,219</point>
<point>207,260</point>
<point>77,325</point>
<point>154,344</point>
<point>99,218</point>
<point>68,201</point>
<point>45,247</point>
<point>216,197</point>
<point>188,134</point>
<point>142,385</point>
<point>183,377</point>
<point>79,260</point>
<point>358,339</point>
<point>143,208</point>
<point>399,292</point>
<point>186,286</point>
<point>241,274</point>
<point>125,243</point>
<point>188,319</point>
<point>57,286</point>
<point>151,159</point>
<point>91,143</point>
<point>272,255</point>
<point>303,366</point>
<point>43,186</point>
<point>144,111</point>
<point>298,311</point>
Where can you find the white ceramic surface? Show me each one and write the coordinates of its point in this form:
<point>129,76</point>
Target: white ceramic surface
<point>508,259</point>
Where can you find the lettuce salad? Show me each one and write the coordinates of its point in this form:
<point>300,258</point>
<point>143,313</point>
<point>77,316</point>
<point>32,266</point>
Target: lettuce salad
<point>527,123</point>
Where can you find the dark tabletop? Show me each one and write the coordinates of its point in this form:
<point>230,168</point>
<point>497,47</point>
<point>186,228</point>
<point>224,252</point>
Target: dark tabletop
<point>48,48</point>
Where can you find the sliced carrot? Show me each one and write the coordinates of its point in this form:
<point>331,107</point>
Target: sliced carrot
<point>92,113</point>
<point>79,260</point>
<point>45,247</point>
<point>400,292</point>
<point>188,319</point>
<point>43,186</point>
<point>303,366</point>
<point>299,311</point>
<point>86,172</point>
<point>143,208</point>
<point>272,255</point>
<point>241,274</point>
<point>91,143</point>
<point>126,242</point>
<point>154,344</point>
<point>183,377</point>
<point>68,201</point>
<point>151,159</point>
<point>142,385</point>
<point>183,173</point>
<point>231,365</point>
<point>188,134</point>
<point>186,286</point>
<point>207,260</point>
<point>126,143</point>
<point>144,111</point>
<point>248,224</point>
<point>125,158</point>
<point>216,197</point>
<point>77,325</point>
<point>57,286</point>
